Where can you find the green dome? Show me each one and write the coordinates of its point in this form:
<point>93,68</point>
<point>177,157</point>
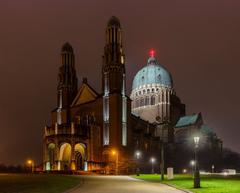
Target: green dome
<point>153,73</point>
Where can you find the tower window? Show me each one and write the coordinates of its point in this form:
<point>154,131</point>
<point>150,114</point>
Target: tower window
<point>153,90</point>
<point>148,90</point>
<point>144,91</point>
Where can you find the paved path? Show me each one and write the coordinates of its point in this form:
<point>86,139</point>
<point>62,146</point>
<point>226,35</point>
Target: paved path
<point>120,184</point>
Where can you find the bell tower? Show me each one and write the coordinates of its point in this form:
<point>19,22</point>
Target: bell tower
<point>67,83</point>
<point>113,86</point>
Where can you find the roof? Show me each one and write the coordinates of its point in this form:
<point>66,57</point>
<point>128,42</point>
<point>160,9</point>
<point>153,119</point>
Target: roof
<point>67,48</point>
<point>152,73</point>
<point>206,129</point>
<point>187,120</point>
<point>114,21</point>
<point>85,94</point>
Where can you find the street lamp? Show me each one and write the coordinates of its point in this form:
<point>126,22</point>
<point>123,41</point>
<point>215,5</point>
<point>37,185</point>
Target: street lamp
<point>31,164</point>
<point>138,154</point>
<point>152,160</point>
<point>213,168</point>
<point>116,163</point>
<point>165,125</point>
<point>196,171</point>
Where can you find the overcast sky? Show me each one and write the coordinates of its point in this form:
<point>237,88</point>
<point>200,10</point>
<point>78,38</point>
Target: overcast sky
<point>197,41</point>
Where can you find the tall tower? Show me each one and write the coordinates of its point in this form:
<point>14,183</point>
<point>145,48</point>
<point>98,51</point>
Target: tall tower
<point>113,85</point>
<point>67,83</point>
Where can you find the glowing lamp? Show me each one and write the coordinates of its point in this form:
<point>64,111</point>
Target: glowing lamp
<point>138,153</point>
<point>152,53</point>
<point>153,160</point>
<point>196,140</point>
<point>192,162</point>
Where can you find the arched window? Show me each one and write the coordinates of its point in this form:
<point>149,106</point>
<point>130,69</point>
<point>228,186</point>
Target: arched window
<point>147,101</point>
<point>152,90</point>
<point>141,102</point>
<point>144,91</point>
<point>137,103</point>
<point>148,90</point>
<point>153,100</point>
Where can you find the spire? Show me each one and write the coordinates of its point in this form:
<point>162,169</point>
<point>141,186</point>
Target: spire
<point>113,45</point>
<point>113,58</point>
<point>67,79</point>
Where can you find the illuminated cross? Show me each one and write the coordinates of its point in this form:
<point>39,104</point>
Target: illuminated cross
<point>152,53</point>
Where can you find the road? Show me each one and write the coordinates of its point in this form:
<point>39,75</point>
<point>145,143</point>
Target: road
<point>120,184</point>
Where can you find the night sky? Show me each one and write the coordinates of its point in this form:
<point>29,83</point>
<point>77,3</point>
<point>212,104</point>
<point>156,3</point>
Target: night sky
<point>197,41</point>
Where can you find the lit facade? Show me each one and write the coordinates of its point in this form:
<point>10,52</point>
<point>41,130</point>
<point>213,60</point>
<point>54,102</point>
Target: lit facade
<point>101,132</point>
<point>153,96</point>
<point>93,131</point>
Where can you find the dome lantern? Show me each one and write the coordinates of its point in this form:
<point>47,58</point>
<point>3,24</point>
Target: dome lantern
<point>152,73</point>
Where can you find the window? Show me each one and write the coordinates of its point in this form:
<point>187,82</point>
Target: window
<point>152,100</point>
<point>142,102</point>
<point>148,90</point>
<point>147,101</point>
<point>153,90</point>
<point>146,145</point>
<point>144,91</point>
<point>137,103</point>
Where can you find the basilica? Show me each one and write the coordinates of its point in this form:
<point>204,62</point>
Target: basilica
<point>110,132</point>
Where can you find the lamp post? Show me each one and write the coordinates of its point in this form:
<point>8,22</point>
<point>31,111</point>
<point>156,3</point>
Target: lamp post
<point>165,123</point>
<point>31,164</point>
<point>116,163</point>
<point>152,161</point>
<point>138,154</point>
<point>196,171</point>
<point>213,169</point>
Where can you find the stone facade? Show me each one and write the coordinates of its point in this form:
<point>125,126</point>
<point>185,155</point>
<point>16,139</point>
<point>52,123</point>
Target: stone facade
<point>91,131</point>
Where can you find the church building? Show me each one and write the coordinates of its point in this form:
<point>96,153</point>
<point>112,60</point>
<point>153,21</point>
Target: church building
<point>105,132</point>
<point>93,131</point>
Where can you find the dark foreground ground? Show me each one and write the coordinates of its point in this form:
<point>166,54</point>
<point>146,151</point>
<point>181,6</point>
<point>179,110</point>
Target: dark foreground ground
<point>43,183</point>
<point>36,183</point>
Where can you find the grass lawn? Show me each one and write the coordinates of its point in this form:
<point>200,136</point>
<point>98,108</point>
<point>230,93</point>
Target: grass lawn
<point>36,183</point>
<point>209,184</point>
